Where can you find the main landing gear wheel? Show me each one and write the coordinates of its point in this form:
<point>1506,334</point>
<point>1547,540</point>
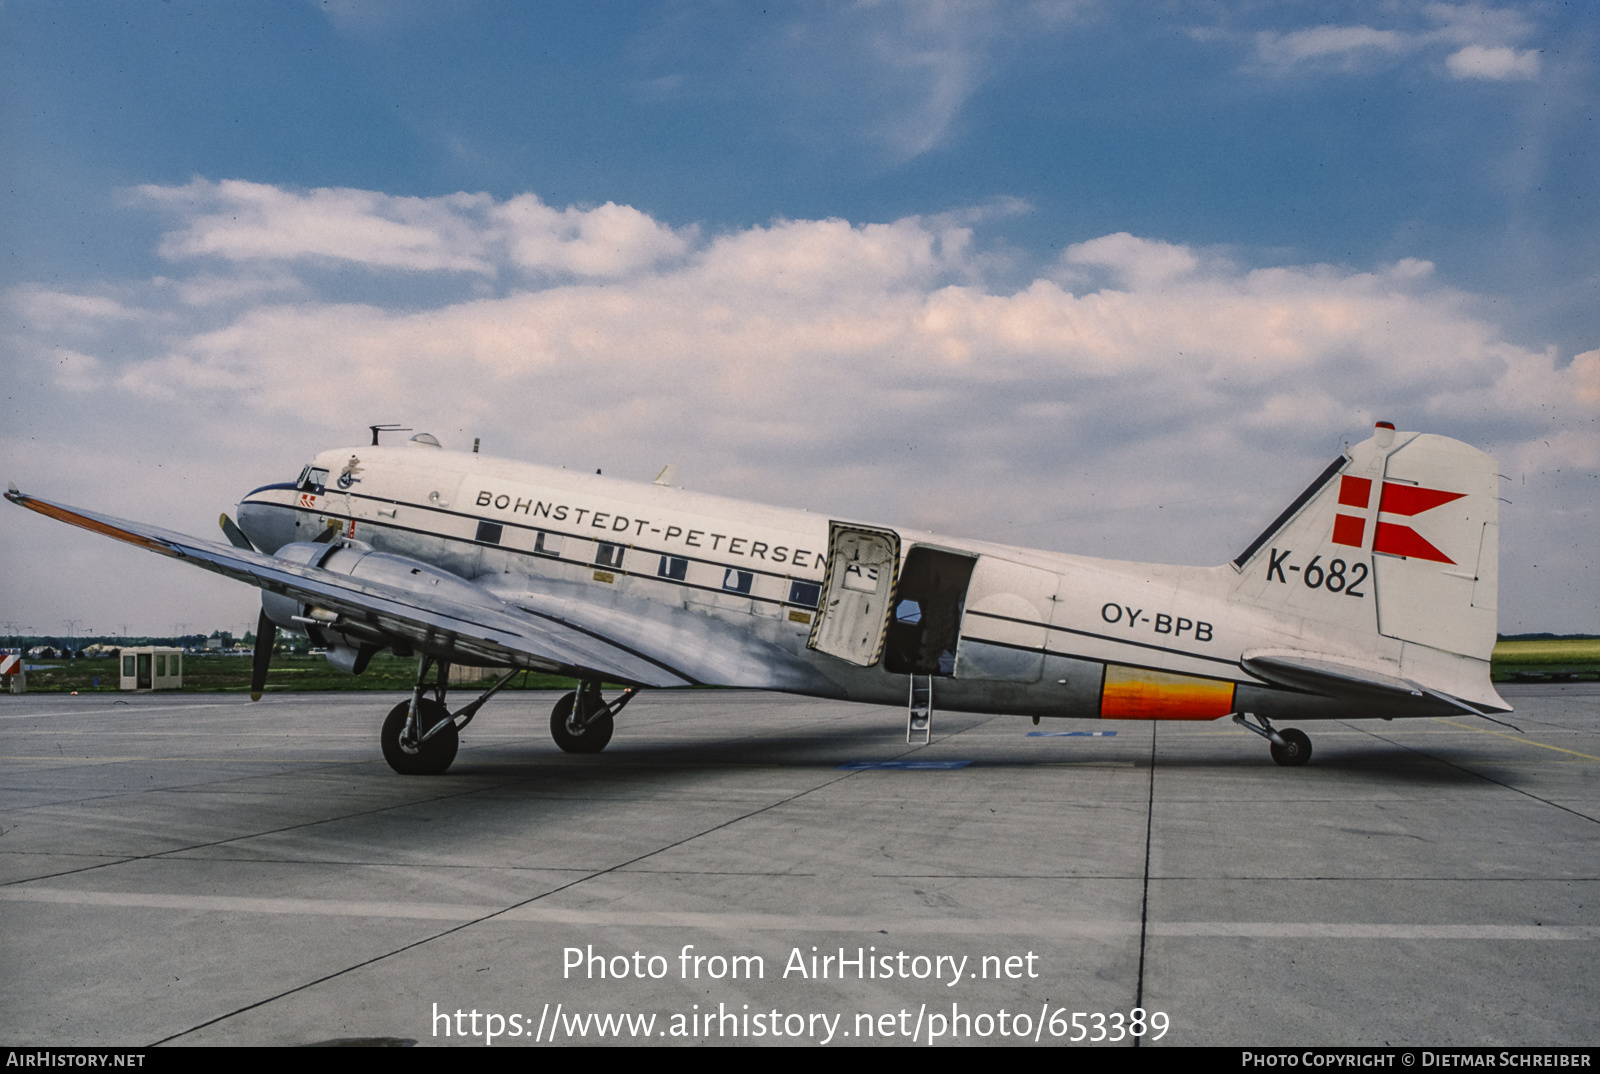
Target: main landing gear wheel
<point>432,755</point>
<point>1296,748</point>
<point>575,736</point>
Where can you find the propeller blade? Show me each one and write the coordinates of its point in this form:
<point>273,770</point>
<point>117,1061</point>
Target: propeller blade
<point>328,534</point>
<point>266,636</point>
<point>235,535</point>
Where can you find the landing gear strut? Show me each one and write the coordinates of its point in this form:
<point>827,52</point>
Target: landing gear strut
<point>582,721</point>
<point>420,737</point>
<point>1290,747</point>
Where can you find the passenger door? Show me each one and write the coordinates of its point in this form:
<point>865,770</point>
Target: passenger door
<point>862,561</point>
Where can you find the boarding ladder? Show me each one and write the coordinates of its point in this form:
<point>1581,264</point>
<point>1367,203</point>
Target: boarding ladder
<point>919,709</point>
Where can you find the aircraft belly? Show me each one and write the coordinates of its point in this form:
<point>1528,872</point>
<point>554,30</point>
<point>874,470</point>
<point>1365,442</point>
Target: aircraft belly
<point>703,648</point>
<point>1067,687</point>
<point>985,661</point>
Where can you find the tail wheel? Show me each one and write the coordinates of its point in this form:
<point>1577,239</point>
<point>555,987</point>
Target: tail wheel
<point>572,735</point>
<point>1296,748</point>
<point>429,757</point>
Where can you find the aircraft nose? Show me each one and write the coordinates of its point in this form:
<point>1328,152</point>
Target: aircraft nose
<point>269,526</point>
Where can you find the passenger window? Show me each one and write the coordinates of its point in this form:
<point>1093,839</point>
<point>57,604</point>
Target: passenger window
<point>547,544</point>
<point>674,567</point>
<point>489,532</point>
<point>805,594</point>
<point>608,555</point>
<point>736,581</point>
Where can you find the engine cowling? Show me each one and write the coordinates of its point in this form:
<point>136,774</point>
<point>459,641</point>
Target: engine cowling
<point>351,644</point>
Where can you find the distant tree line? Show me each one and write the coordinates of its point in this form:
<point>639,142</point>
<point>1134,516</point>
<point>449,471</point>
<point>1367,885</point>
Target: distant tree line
<point>65,647</point>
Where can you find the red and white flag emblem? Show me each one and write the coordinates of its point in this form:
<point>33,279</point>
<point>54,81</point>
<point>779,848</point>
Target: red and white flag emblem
<point>1391,538</point>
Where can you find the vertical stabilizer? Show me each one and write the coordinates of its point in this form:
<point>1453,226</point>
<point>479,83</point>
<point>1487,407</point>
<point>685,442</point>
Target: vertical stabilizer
<point>1398,538</point>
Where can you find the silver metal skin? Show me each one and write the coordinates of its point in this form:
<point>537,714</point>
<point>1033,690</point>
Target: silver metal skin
<point>1372,595</point>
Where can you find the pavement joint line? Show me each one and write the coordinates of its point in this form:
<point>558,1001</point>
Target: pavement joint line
<point>1144,898</point>
<point>1487,779</point>
<point>1524,740</point>
<point>523,913</point>
<point>192,760</point>
<point>500,913</point>
<point>231,839</point>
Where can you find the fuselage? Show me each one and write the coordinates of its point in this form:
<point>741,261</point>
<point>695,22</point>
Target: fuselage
<point>996,628</point>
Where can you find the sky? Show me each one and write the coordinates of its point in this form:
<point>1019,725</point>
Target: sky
<point>1103,278</point>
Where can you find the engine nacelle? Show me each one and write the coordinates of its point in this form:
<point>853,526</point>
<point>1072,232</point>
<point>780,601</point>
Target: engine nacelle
<point>351,644</point>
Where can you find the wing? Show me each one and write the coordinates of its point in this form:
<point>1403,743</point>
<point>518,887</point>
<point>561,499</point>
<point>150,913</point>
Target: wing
<point>488,630</point>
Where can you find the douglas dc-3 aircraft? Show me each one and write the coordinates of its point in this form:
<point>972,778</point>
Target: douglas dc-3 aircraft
<point>1372,595</point>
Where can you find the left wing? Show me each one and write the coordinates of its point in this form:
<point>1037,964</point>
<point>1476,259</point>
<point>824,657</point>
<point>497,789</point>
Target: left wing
<point>459,620</point>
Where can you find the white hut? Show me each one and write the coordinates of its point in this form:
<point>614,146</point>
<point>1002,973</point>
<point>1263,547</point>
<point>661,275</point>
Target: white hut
<point>151,667</point>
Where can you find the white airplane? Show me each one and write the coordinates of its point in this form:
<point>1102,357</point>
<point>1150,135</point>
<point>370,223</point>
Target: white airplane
<point>1372,595</point>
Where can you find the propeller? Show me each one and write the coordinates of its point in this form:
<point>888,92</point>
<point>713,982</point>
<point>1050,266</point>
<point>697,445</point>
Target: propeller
<point>234,534</point>
<point>266,629</point>
<point>266,637</point>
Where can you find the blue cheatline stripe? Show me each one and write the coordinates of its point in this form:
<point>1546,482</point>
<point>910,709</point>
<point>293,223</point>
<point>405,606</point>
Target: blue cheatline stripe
<point>857,766</point>
<point>1072,734</point>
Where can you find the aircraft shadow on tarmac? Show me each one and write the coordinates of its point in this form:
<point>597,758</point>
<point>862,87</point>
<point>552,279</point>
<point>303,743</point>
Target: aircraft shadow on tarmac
<point>827,748</point>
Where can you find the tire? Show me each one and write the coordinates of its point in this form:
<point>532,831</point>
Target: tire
<point>434,755</point>
<point>592,739</point>
<point>1296,748</point>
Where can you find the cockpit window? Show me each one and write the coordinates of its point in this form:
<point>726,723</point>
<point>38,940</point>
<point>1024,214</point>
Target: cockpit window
<point>312,477</point>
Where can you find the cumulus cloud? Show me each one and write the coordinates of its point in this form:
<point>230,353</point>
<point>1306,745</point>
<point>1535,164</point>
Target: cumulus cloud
<point>245,222</point>
<point>1499,64</point>
<point>872,370</point>
<point>75,371</point>
<point>242,221</point>
<point>42,309</point>
<point>1475,41</point>
<point>609,241</point>
<point>1140,264</point>
<point>1586,371</point>
<point>822,317</point>
<point>1346,46</point>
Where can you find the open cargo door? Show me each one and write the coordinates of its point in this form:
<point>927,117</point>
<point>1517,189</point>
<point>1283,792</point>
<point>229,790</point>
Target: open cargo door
<point>1003,632</point>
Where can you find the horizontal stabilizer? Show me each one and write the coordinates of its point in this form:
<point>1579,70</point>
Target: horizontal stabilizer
<point>1332,676</point>
<point>1322,674</point>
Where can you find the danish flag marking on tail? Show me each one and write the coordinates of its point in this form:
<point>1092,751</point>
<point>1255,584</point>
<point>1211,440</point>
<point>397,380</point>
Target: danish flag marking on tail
<point>1353,492</point>
<point>1404,541</point>
<point>1412,499</point>
<point>1390,538</point>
